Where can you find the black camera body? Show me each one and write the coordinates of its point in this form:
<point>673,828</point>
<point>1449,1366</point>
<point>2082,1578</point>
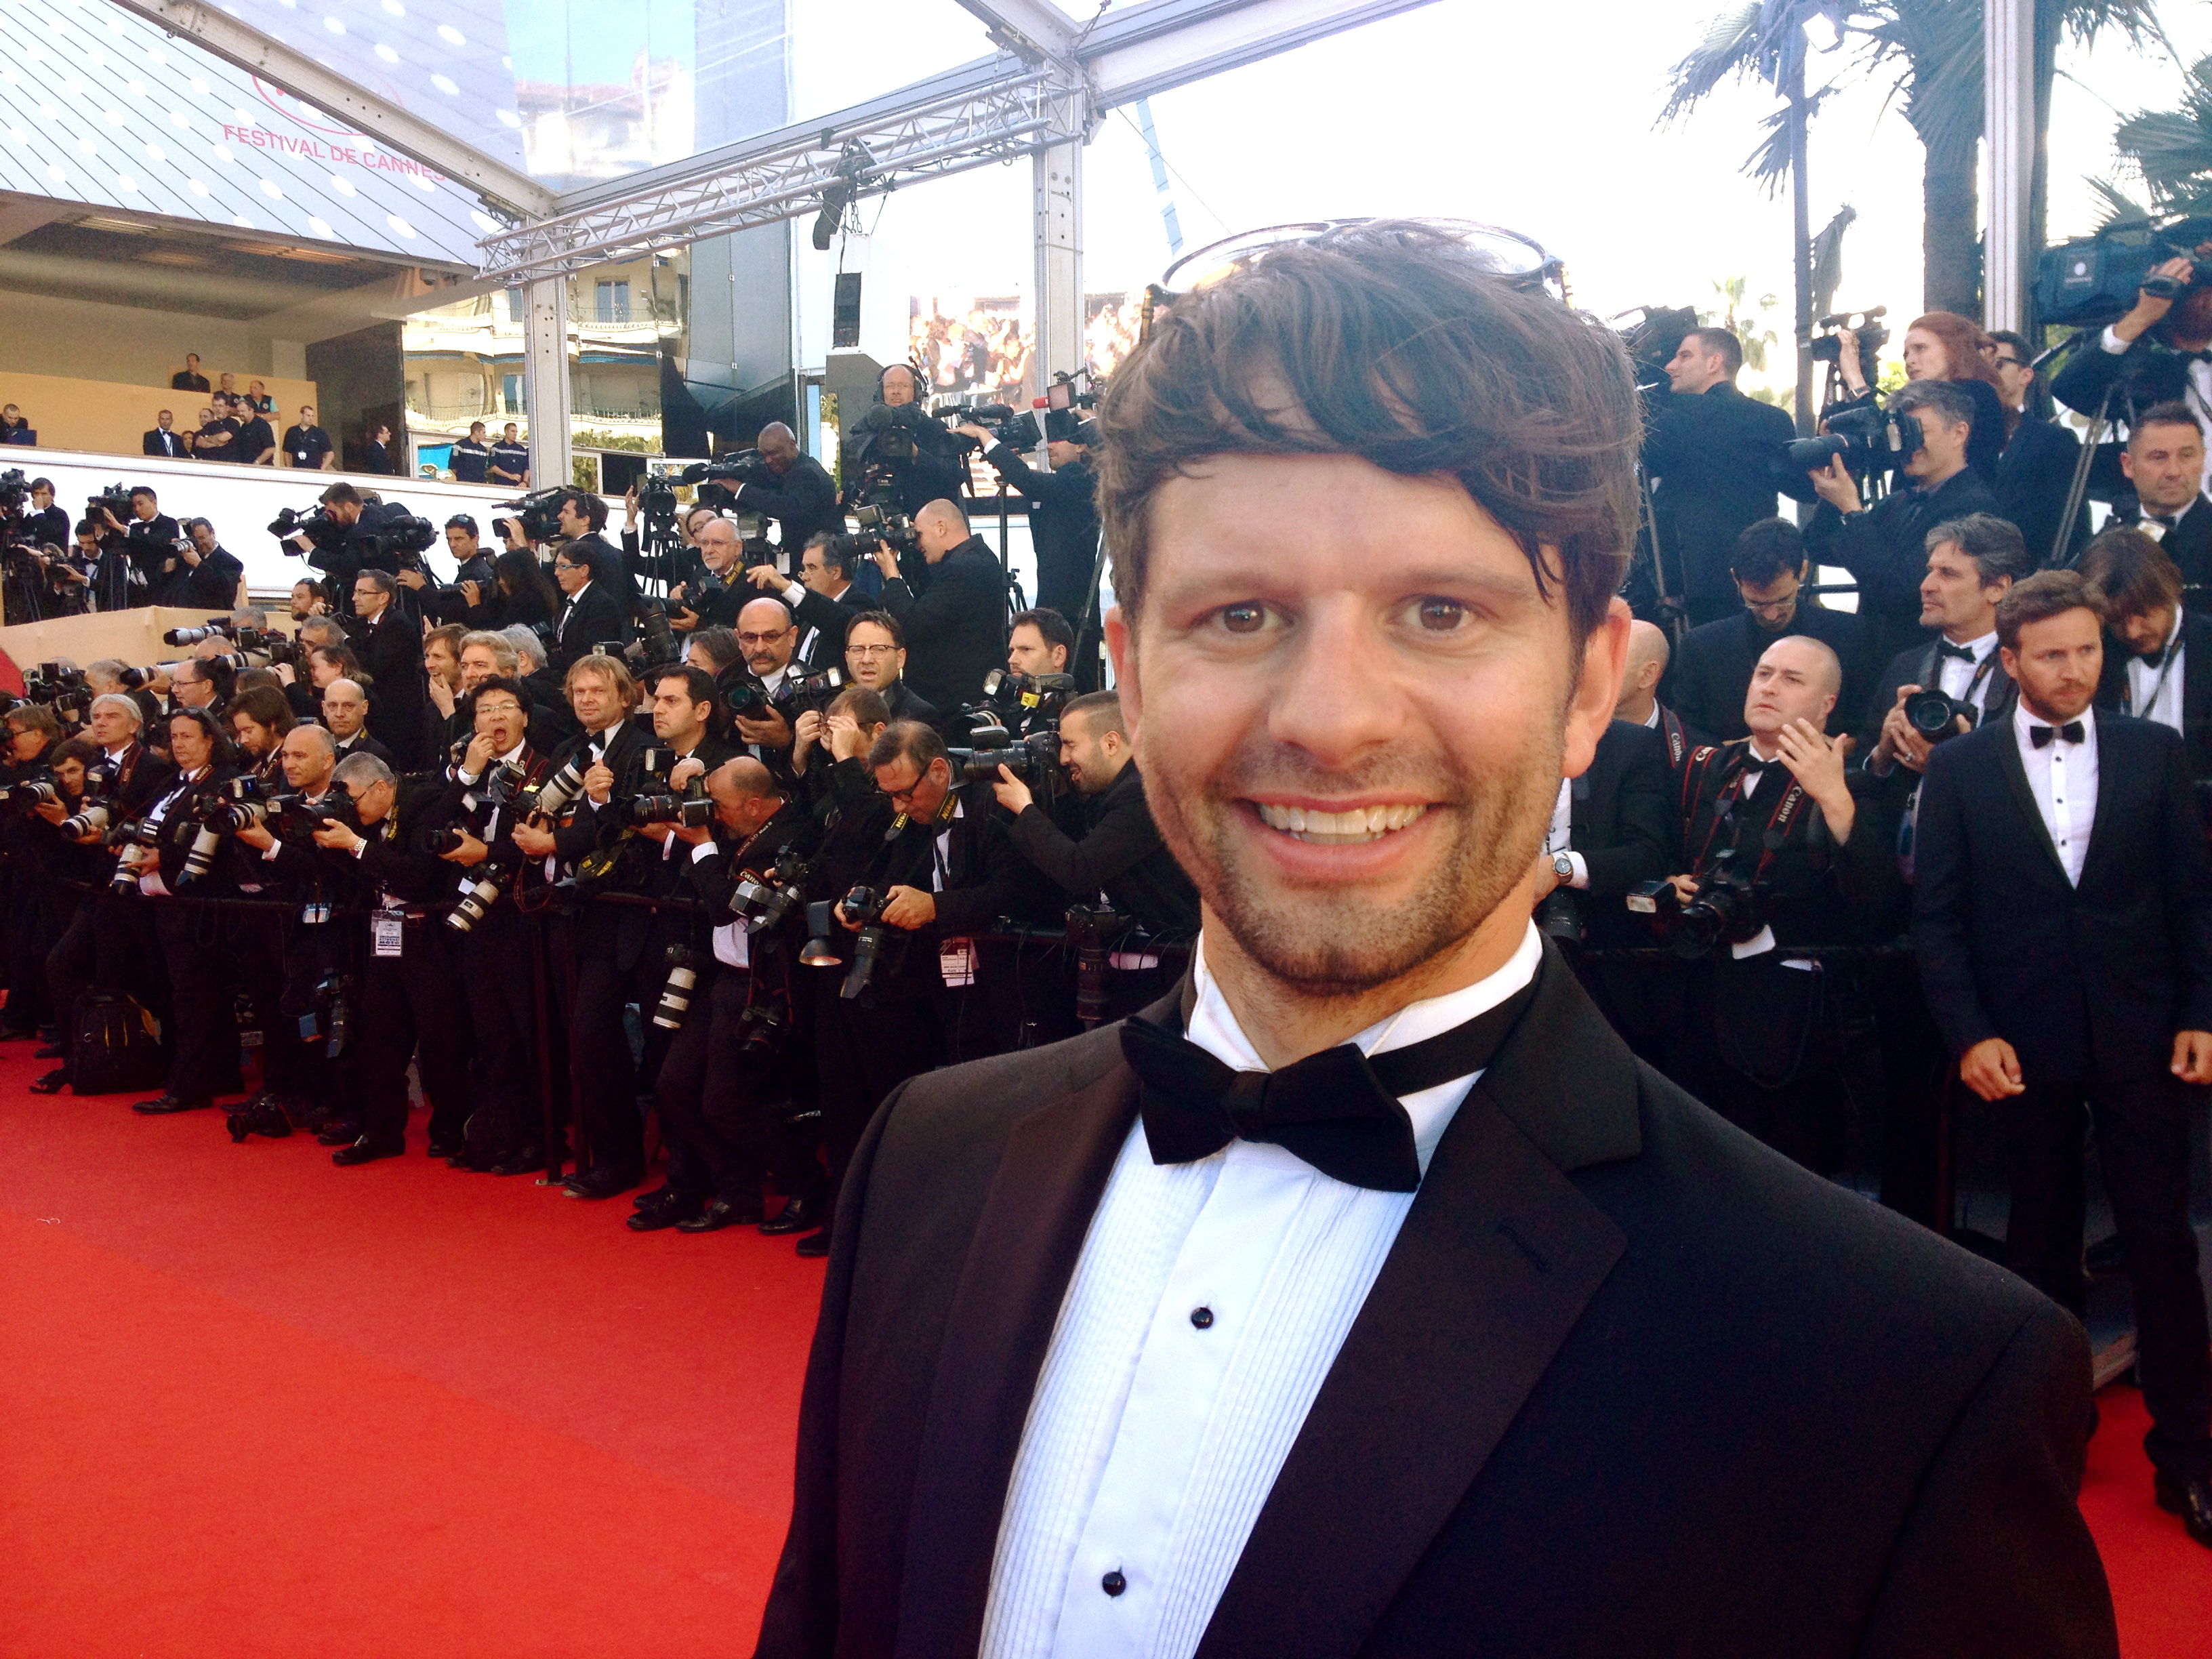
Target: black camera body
<point>115,498</point>
<point>14,489</point>
<point>864,907</point>
<point>1731,903</point>
<point>1934,716</point>
<point>692,809</point>
<point>1034,758</point>
<point>886,524</point>
<point>656,499</point>
<point>1021,702</point>
<point>289,818</point>
<point>27,795</point>
<point>1866,439</point>
<point>400,535</point>
<point>1095,931</point>
<point>745,466</point>
<point>1827,345</point>
<point>748,699</point>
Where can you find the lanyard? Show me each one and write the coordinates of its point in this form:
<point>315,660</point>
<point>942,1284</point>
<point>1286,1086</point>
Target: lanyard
<point>2166,659</point>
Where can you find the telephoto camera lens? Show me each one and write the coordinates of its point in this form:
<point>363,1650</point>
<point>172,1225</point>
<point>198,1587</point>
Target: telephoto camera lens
<point>563,787</point>
<point>206,845</point>
<point>92,821</point>
<point>473,904</point>
<point>675,995</point>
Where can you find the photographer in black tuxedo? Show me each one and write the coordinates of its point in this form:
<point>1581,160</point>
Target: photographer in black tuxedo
<point>1712,666</point>
<point>2158,651</point>
<point>2035,473</point>
<point>2164,461</point>
<point>2063,918</point>
<point>1714,456</point>
<point>956,625</point>
<point>1783,846</point>
<point>1884,546</point>
<point>1501,1404</point>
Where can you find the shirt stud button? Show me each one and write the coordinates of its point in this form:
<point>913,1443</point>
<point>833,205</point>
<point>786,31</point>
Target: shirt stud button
<point>1113,1584</point>
<point>1201,1317</point>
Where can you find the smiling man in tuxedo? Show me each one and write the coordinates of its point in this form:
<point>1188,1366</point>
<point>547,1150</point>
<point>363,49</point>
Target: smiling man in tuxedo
<point>1365,1296</point>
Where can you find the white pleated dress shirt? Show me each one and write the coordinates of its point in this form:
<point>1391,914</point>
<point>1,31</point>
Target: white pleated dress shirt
<point>2154,692</point>
<point>2063,777</point>
<point>1206,1307</point>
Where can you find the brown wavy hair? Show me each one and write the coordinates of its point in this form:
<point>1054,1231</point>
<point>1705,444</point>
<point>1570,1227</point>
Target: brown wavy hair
<point>1399,344</point>
<point>1964,344</point>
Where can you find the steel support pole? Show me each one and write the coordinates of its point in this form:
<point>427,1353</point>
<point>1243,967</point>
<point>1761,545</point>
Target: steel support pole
<point>545,379</point>
<point>2008,92</point>
<point>1059,175</point>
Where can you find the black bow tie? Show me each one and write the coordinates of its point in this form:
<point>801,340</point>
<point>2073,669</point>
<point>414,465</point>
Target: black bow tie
<point>2040,736</point>
<point>1337,1109</point>
<point>1945,648</point>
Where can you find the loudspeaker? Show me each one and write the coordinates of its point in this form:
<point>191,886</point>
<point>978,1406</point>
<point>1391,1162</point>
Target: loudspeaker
<point>845,311</point>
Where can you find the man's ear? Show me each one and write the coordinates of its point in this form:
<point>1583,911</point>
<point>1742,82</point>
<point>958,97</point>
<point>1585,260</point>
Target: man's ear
<point>1122,652</point>
<point>1589,710</point>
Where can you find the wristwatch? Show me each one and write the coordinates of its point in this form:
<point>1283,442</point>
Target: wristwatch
<point>1562,865</point>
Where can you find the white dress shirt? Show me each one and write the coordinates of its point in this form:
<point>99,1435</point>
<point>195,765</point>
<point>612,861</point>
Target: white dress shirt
<point>1207,1306</point>
<point>2154,692</point>
<point>2200,391</point>
<point>734,945</point>
<point>2063,777</point>
<point>1955,676</point>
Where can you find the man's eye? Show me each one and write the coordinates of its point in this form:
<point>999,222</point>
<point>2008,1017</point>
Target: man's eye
<point>1244,618</point>
<point>1441,615</point>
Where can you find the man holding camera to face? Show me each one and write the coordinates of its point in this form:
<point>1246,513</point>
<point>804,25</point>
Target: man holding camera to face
<point>1885,546</point>
<point>2153,354</point>
<point>2062,919</point>
<point>956,625</point>
<point>1063,514</point>
<point>803,500</point>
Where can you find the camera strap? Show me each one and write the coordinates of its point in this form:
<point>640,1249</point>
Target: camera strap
<point>2171,655</point>
<point>1778,823</point>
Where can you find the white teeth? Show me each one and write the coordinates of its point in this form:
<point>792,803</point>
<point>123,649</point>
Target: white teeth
<point>1360,824</point>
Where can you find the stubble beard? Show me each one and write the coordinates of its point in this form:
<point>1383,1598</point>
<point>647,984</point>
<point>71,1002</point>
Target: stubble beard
<point>1324,941</point>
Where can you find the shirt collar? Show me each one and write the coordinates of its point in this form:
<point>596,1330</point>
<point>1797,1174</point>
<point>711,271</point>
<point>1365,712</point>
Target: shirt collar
<point>513,756</point>
<point>1981,646</point>
<point>1651,720</point>
<point>1213,1028</point>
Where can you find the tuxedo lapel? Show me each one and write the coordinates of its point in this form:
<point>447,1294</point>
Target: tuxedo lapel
<point>2015,772</point>
<point>1049,1181</point>
<point>2113,776</point>
<point>1499,1256</point>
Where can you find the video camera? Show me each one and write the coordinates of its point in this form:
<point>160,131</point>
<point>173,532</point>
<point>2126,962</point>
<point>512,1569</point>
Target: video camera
<point>322,531</point>
<point>1827,345</point>
<point>745,466</point>
<point>896,428</point>
<point>540,511</point>
<point>1731,903</point>
<point>656,498</point>
<point>14,489</point>
<point>115,498</point>
<point>1653,339</point>
<point>2092,280</point>
<point>399,534</point>
<point>1867,439</point>
<point>888,526</point>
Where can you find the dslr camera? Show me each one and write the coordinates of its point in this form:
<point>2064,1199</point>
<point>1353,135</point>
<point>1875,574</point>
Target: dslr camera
<point>1034,758</point>
<point>1934,716</point>
<point>1827,345</point>
<point>1868,441</point>
<point>1731,903</point>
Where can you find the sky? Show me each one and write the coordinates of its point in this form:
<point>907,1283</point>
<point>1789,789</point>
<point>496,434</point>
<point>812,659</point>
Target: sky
<point>1464,109</point>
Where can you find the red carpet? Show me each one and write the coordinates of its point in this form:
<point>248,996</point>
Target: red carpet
<point>250,1404</point>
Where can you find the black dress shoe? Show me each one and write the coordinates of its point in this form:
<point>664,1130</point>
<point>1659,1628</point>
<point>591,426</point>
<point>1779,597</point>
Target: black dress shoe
<point>448,1147</point>
<point>168,1104</point>
<point>2190,1499</point>
<point>672,1211</point>
<point>343,1133</point>
<point>528,1161</point>
<point>815,1245</point>
<point>802,1214</point>
<point>645,1200</point>
<point>601,1181</point>
<point>52,1083</point>
<point>719,1214</point>
<point>50,1051</point>
<point>17,1033</point>
<point>365,1151</point>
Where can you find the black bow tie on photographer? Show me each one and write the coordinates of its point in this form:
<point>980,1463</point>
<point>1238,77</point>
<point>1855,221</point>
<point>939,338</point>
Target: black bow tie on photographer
<point>2040,736</point>
<point>1338,1110</point>
<point>1945,648</point>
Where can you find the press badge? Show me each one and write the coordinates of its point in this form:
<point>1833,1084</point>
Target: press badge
<point>385,934</point>
<point>956,961</point>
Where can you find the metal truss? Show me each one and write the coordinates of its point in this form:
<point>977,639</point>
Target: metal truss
<point>967,125</point>
<point>1051,86</point>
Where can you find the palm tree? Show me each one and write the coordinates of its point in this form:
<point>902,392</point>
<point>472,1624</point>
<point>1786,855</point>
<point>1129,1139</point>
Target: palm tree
<point>2172,151</point>
<point>1765,40</point>
<point>1933,50</point>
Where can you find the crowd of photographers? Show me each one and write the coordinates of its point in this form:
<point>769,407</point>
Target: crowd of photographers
<point>741,829</point>
<point>686,825</point>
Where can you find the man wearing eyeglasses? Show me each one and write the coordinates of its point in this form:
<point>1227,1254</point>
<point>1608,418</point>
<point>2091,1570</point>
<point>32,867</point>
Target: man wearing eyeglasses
<point>2035,474</point>
<point>1712,667</point>
<point>590,615</point>
<point>875,656</point>
<point>1365,1296</point>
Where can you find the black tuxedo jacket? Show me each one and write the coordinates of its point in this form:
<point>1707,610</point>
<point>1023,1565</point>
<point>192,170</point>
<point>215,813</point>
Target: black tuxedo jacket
<point>2082,981</point>
<point>1716,459</point>
<point>824,647</point>
<point>158,442</point>
<point>1621,820</point>
<point>1627,1383</point>
<point>595,615</point>
<point>956,628</point>
<point>2148,371</point>
<point>1917,666</point>
<point>390,651</point>
<point>2034,477</point>
<point>2195,687</point>
<point>1712,666</point>
<point>2188,542</point>
<point>1885,548</point>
